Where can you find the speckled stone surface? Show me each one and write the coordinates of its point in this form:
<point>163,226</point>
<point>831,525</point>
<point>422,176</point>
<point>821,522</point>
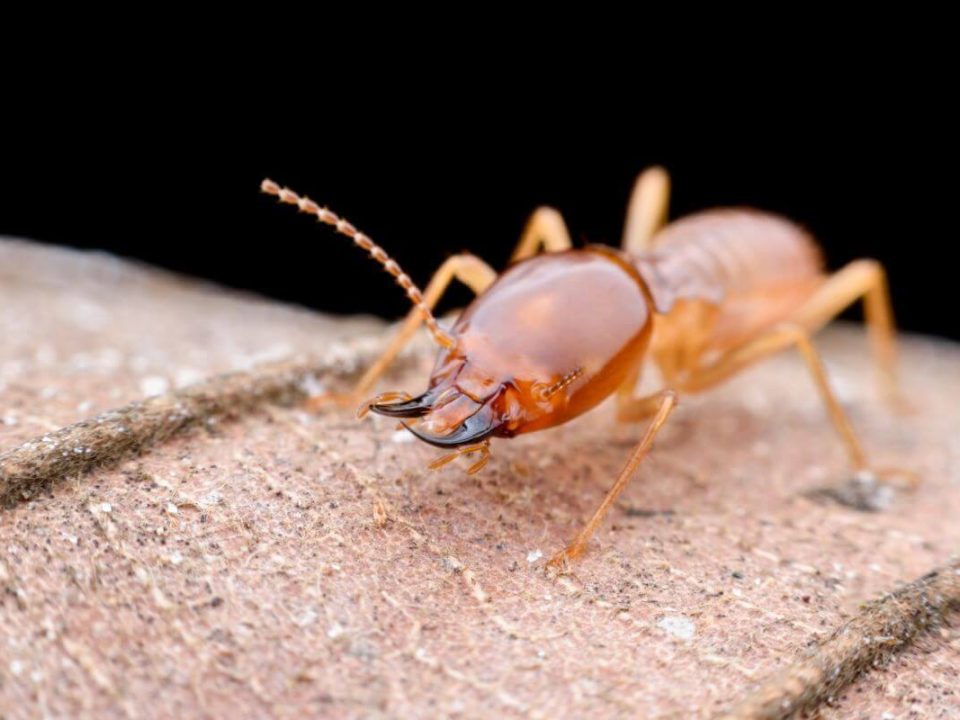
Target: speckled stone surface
<point>291,565</point>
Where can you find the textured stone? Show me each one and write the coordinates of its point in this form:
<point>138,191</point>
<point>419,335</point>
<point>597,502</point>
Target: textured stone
<point>283,564</point>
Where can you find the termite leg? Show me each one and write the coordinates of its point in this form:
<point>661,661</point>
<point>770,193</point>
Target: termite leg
<point>647,210</point>
<point>634,409</point>
<point>483,448</point>
<point>468,269</point>
<point>774,341</point>
<point>665,401</point>
<point>864,279</point>
<point>545,229</point>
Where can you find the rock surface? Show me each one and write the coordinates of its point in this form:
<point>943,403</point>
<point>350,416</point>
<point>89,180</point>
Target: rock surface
<point>286,565</point>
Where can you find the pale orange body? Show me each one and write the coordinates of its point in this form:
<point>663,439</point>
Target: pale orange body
<point>556,334</point>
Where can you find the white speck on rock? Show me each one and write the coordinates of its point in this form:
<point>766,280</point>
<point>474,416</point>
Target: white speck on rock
<point>308,617</point>
<point>678,626</point>
<point>106,507</point>
<point>154,385</point>
<point>176,558</point>
<point>533,556</point>
<point>311,386</point>
<point>402,436</point>
<point>211,498</point>
<point>172,509</point>
<point>187,376</point>
<point>16,667</point>
<point>335,631</point>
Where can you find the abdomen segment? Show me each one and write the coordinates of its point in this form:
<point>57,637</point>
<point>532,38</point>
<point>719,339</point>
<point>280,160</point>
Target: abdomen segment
<point>754,268</point>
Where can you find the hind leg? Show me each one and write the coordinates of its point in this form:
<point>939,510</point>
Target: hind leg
<point>866,280</point>
<point>774,341</point>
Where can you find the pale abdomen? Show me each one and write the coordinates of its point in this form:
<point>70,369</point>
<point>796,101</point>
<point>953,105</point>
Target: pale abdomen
<point>731,273</point>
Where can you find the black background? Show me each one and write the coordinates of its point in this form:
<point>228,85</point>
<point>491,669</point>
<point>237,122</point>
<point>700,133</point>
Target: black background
<point>180,190</point>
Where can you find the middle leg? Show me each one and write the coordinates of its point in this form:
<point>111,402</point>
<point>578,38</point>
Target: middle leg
<point>631,408</point>
<point>545,229</point>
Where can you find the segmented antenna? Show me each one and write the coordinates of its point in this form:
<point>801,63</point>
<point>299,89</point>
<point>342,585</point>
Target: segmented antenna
<point>286,195</point>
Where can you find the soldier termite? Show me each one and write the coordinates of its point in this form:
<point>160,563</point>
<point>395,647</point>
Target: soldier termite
<point>562,329</point>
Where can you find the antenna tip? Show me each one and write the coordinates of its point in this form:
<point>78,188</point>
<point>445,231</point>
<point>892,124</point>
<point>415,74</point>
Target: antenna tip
<point>269,187</point>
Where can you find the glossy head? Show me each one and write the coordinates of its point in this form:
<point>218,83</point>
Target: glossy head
<point>551,338</point>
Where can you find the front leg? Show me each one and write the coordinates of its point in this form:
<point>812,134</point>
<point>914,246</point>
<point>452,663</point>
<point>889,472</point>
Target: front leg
<point>665,401</point>
<point>468,269</point>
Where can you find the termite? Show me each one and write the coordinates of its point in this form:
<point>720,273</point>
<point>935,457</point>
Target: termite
<point>562,329</point>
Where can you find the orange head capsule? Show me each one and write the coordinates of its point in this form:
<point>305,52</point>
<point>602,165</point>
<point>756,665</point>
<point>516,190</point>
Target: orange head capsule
<point>551,338</point>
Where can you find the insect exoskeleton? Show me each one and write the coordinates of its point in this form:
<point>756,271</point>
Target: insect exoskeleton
<point>551,338</point>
